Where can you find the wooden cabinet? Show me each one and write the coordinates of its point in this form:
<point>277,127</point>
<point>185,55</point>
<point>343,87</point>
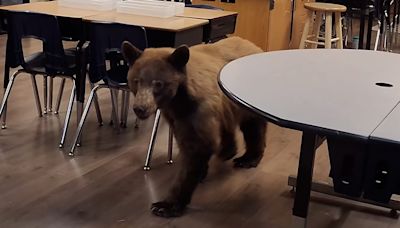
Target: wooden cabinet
<point>271,28</point>
<point>252,21</point>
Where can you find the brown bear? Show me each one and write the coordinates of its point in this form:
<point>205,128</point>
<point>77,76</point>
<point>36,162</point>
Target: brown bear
<point>183,84</point>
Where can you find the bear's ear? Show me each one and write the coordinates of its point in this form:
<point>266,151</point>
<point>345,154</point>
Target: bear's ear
<point>179,57</point>
<point>130,52</point>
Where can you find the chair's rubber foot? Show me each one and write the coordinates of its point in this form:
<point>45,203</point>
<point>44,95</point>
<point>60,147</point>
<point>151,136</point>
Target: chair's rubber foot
<point>61,145</point>
<point>56,112</point>
<point>169,162</point>
<point>71,154</point>
<point>394,214</point>
<point>146,168</point>
<point>3,127</point>
<point>78,145</point>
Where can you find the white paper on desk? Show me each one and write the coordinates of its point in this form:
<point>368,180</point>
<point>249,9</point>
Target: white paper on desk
<point>101,5</point>
<point>152,8</point>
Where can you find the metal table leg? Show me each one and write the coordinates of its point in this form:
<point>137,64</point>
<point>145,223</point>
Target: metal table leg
<point>304,179</point>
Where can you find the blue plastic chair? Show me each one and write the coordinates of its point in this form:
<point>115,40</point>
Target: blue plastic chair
<point>105,40</point>
<point>52,62</point>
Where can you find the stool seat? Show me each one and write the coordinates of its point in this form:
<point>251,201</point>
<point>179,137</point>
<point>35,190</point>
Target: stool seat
<point>328,7</point>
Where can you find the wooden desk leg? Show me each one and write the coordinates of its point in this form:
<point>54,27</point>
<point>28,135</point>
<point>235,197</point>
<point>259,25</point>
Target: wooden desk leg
<point>304,179</point>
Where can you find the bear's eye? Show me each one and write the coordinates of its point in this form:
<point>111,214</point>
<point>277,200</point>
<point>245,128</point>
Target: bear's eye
<point>157,85</point>
<point>136,81</point>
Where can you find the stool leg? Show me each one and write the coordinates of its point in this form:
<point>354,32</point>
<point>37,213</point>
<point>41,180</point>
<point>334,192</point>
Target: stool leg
<point>328,30</point>
<point>338,25</point>
<point>306,30</point>
<point>317,27</point>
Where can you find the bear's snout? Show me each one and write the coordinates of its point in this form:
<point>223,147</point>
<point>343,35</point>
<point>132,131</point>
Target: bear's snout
<point>141,112</point>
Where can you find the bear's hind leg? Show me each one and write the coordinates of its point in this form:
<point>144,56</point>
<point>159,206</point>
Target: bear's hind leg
<point>254,130</point>
<point>228,144</point>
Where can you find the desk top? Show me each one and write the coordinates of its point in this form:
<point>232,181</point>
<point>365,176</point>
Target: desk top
<point>52,8</point>
<point>206,14</point>
<point>168,24</point>
<point>327,91</point>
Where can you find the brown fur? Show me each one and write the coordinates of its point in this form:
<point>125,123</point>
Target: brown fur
<point>203,118</point>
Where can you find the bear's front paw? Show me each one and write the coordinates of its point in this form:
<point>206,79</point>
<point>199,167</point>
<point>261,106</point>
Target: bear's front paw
<point>246,162</point>
<point>167,209</point>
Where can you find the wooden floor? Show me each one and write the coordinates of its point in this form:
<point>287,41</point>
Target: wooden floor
<point>105,186</point>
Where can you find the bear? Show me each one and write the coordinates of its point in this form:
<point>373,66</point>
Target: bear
<point>183,84</point>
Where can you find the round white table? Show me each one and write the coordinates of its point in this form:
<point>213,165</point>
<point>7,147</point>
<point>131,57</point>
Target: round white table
<point>340,93</point>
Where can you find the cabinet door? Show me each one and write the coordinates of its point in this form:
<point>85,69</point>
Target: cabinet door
<point>252,21</point>
<point>300,16</point>
<point>280,20</point>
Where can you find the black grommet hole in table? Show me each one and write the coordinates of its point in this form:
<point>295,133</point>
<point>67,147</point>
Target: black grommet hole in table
<point>383,84</point>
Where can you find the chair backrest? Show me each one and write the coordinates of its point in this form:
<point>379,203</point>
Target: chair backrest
<point>105,44</point>
<point>187,2</point>
<point>203,6</point>
<point>34,25</point>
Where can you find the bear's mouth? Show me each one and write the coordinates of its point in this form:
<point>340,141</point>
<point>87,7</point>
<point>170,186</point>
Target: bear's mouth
<point>142,116</point>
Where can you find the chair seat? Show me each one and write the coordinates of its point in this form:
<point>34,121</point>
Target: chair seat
<point>35,63</point>
<point>328,7</point>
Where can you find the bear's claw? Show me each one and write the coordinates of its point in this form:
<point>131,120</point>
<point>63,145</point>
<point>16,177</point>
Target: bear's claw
<point>167,209</point>
<point>246,162</point>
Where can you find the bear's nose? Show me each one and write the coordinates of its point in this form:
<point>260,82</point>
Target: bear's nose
<point>140,111</point>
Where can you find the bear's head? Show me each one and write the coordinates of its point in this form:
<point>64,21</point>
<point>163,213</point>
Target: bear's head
<point>154,76</point>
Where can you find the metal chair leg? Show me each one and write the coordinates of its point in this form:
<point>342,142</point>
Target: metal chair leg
<point>3,107</point>
<point>152,140</point>
<point>68,115</point>
<point>36,95</point>
<point>122,117</point>
<point>137,122</point>
<point>97,107</point>
<point>124,108</point>
<point>378,35</point>
<point>45,94</point>
<point>82,120</point>
<point>170,144</point>
<point>114,102</point>
<point>127,98</point>
<point>79,108</point>
<point>59,97</point>
<point>50,104</point>
<point>4,117</point>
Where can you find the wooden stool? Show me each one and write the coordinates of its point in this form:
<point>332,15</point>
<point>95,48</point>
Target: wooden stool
<point>317,9</point>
